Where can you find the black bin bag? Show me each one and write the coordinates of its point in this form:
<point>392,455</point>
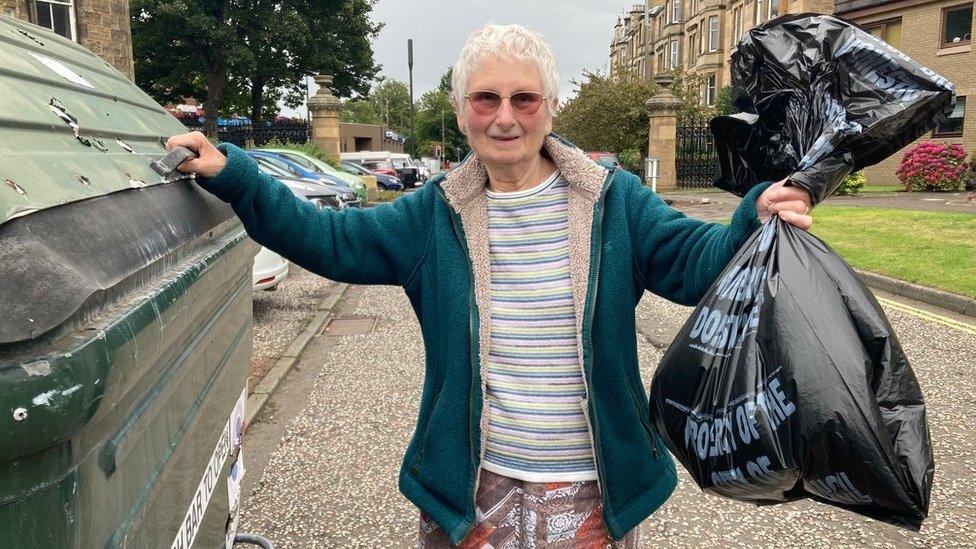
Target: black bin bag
<point>787,381</point>
<point>820,98</point>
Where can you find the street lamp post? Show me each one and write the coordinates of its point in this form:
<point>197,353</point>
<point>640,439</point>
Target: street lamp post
<point>413,136</point>
<point>443,144</point>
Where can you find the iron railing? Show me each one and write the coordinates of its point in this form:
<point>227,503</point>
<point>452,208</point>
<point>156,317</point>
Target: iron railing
<point>696,161</point>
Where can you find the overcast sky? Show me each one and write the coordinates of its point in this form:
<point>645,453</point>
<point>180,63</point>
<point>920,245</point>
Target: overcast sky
<point>578,30</point>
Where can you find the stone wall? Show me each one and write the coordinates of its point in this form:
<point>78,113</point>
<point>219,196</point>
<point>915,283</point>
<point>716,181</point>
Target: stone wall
<point>921,38</point>
<point>365,137</point>
<point>102,26</point>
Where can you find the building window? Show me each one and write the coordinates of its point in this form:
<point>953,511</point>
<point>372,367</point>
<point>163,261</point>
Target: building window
<point>889,31</point>
<point>57,15</point>
<point>957,25</point>
<point>710,91</point>
<point>660,61</point>
<point>759,8</point>
<point>773,9</point>
<point>952,127</point>
<point>713,33</point>
<point>691,49</point>
<point>676,11</point>
<point>674,54</point>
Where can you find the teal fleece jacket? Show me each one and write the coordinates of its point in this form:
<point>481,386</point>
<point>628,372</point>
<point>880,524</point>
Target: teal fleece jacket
<point>433,243</point>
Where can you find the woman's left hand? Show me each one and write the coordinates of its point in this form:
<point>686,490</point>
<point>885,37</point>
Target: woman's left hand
<point>791,203</point>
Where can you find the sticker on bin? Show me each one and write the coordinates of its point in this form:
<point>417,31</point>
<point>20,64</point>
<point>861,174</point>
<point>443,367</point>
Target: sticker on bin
<point>230,442</point>
<point>236,471</point>
<point>62,70</point>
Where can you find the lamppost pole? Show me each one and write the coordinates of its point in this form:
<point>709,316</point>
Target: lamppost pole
<point>413,136</point>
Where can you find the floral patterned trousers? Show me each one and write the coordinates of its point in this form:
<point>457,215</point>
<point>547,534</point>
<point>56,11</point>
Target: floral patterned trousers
<point>514,514</point>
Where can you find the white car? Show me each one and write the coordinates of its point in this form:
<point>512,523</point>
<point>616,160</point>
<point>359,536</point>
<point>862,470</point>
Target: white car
<point>269,270</point>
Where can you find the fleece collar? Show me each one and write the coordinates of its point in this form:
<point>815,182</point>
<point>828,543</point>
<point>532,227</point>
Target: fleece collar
<point>470,178</point>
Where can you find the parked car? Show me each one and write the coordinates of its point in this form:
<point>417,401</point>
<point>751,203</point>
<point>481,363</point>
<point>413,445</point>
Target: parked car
<point>310,162</point>
<point>384,167</point>
<point>346,194</point>
<point>269,270</point>
<point>313,190</point>
<point>605,159</point>
<point>383,181</point>
<point>409,174</point>
<point>422,169</point>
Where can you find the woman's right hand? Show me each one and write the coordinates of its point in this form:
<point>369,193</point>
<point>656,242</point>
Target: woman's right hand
<point>209,160</point>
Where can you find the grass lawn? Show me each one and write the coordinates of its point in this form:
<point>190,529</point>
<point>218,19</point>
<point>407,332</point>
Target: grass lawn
<point>934,249</point>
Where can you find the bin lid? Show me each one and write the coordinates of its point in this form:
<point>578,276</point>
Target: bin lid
<point>72,127</point>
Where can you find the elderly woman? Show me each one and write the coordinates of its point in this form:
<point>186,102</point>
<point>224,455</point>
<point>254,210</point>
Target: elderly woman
<point>523,266</point>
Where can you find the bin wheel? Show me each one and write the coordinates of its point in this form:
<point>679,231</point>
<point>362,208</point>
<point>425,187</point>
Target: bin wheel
<point>253,539</point>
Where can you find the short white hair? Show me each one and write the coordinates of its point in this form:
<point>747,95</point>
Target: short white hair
<point>513,41</point>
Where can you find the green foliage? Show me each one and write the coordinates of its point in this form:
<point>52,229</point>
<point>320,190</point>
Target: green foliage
<point>610,114</point>
<point>311,148</point>
<point>723,102</point>
<point>687,87</point>
<point>244,57</point>
<point>631,159</point>
<point>607,114</point>
<point>851,185</point>
<point>387,103</point>
<point>434,113</point>
<point>360,111</point>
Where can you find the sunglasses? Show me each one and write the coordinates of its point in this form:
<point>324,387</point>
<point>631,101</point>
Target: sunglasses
<point>487,102</point>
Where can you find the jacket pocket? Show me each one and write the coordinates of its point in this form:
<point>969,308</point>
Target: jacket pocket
<point>419,456</point>
<point>644,420</point>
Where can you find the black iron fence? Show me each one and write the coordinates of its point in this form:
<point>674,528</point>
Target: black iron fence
<point>259,135</point>
<point>696,162</point>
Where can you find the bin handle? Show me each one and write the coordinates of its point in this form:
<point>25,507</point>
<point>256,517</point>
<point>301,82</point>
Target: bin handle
<point>168,164</point>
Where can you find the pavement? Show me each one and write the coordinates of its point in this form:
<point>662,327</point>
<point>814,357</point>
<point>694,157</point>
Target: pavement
<point>324,453</point>
<point>279,316</point>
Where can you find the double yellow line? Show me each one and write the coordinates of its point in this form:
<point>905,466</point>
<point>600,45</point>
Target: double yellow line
<point>926,315</point>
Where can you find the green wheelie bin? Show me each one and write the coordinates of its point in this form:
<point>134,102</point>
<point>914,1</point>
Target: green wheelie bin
<point>125,316</point>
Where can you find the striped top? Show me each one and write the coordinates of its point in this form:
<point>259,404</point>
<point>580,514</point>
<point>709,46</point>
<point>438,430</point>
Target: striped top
<point>536,428</point>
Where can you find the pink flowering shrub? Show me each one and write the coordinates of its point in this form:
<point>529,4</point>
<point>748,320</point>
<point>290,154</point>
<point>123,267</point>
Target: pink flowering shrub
<point>933,166</point>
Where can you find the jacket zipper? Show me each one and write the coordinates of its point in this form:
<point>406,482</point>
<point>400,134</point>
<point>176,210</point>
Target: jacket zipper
<point>474,360</point>
<point>645,424</point>
<point>592,427</point>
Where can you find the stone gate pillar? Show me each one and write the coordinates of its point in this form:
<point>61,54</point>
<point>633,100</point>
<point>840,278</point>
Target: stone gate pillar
<point>325,108</point>
<point>663,133</point>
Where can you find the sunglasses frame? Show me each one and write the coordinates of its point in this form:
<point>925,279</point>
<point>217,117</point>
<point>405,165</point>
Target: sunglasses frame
<point>501,97</point>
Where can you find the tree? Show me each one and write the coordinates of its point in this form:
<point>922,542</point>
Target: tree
<point>360,111</point>
<point>607,114</point>
<point>690,89</point>
<point>185,49</point>
<point>723,102</point>
<point>388,103</point>
<point>297,38</point>
<point>435,114</point>
<point>610,114</point>
<point>258,51</point>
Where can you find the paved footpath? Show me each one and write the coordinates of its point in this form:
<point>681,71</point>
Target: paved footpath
<point>323,457</point>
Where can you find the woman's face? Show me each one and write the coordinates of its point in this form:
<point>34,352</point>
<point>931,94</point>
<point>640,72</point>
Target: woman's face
<point>505,137</point>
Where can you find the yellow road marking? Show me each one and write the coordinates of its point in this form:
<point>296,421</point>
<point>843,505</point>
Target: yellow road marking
<point>926,315</point>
